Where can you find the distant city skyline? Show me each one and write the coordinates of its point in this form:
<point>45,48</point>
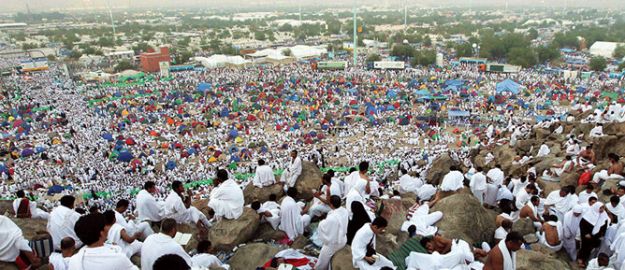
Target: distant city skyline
<point>36,6</point>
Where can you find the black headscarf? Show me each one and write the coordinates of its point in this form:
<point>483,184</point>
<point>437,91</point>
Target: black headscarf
<point>360,217</point>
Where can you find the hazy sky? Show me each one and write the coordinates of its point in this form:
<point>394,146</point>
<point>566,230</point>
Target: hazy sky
<point>47,5</point>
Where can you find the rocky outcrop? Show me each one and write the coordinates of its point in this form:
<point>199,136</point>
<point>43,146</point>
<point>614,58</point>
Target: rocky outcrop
<point>465,218</point>
<point>532,260</point>
<point>226,234</point>
<point>252,193</point>
<point>252,255</point>
<point>440,167</point>
<point>342,260</point>
<point>307,181</point>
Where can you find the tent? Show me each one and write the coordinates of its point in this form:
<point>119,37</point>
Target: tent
<point>454,113</point>
<point>27,152</point>
<point>508,86</point>
<point>170,165</point>
<point>203,87</point>
<point>108,137</point>
<point>125,156</point>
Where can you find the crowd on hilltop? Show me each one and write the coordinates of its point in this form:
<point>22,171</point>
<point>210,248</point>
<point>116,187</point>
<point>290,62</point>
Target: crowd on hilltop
<point>154,145</point>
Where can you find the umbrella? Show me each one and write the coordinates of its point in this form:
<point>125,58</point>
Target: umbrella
<point>130,141</point>
<point>125,156</point>
<point>108,137</point>
<point>170,165</point>
<point>27,152</point>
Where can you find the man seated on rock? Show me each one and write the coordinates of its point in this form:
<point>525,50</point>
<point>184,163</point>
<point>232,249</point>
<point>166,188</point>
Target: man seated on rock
<point>586,158</point>
<point>453,180</point>
<point>24,208</point>
<point>364,255</point>
<point>530,210</point>
<point>13,247</point>
<point>269,211</point>
<point>226,199</point>
<point>503,230</point>
<point>615,171</point>
<point>119,236</point>
<point>321,201</point>
<point>131,226</point>
<point>456,253</point>
<point>148,208</point>
<point>503,256</point>
<point>551,234</point>
<point>558,170</point>
<point>60,260</point>
<point>419,219</point>
<point>525,195</point>
<point>543,151</point>
<point>204,259</point>
<point>92,231</point>
<point>162,243</point>
<point>292,172</point>
<point>293,221</point>
<point>586,194</point>
<point>596,131</point>
<point>62,220</point>
<point>408,183</point>
<point>558,202</point>
<point>264,175</point>
<point>600,263</point>
<point>332,232</point>
<point>178,207</point>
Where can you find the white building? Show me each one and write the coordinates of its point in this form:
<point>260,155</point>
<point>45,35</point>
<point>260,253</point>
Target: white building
<point>604,48</point>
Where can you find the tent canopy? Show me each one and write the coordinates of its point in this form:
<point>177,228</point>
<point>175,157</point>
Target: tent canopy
<point>508,86</point>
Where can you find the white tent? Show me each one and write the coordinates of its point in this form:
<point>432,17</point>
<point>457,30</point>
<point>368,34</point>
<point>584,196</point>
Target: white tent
<point>220,60</point>
<point>299,52</point>
<point>603,48</point>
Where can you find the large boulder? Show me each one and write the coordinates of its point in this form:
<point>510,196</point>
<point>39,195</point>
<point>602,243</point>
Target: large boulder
<point>617,129</point>
<point>307,181</point>
<point>266,233</point>
<point>604,145</point>
<point>252,255</point>
<point>524,146</point>
<point>253,193</point>
<point>440,167</point>
<point>524,226</point>
<point>504,155</point>
<point>6,207</point>
<point>547,186</point>
<point>532,260</point>
<point>541,133</point>
<point>342,260</point>
<point>226,234</point>
<point>465,218</point>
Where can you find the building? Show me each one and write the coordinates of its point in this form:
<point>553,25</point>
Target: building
<point>150,60</point>
<point>603,48</point>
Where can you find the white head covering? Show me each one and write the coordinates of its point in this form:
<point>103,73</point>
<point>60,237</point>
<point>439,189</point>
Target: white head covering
<point>595,217</point>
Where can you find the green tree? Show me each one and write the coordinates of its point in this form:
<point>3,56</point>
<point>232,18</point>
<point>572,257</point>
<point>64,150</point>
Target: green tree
<point>29,46</point>
<point>141,47</point>
<point>621,67</point>
<point>532,34</point>
<point>619,52</point>
<point>105,42</point>
<point>183,57</point>
<point>74,54</point>
<point>598,63</point>
<point>287,52</point>
<point>51,57</point>
<point>464,50</point>
<point>259,35</point>
<point>522,56</point>
<point>547,54</point>
<point>403,50</point>
<point>424,58</point>
<point>427,41</point>
<point>374,57</point>
<point>123,65</point>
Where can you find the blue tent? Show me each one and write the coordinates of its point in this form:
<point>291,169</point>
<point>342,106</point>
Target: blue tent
<point>391,93</point>
<point>423,92</point>
<point>203,87</point>
<point>55,189</point>
<point>225,112</point>
<point>458,114</point>
<point>125,156</point>
<point>233,133</point>
<point>27,152</point>
<point>107,136</point>
<point>508,86</point>
<point>170,165</point>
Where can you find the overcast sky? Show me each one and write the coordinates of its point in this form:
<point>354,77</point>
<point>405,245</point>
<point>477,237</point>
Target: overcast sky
<point>48,5</point>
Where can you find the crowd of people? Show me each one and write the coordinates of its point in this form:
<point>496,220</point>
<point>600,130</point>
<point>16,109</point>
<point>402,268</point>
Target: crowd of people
<point>108,164</point>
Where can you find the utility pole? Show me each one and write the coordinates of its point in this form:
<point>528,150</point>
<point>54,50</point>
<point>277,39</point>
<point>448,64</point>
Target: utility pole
<point>112,21</point>
<point>405,15</point>
<point>355,37</point>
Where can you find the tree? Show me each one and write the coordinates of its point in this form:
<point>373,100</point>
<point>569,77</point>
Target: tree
<point>374,57</point>
<point>259,35</point>
<point>105,42</point>
<point>522,56</point>
<point>464,50</point>
<point>141,47</point>
<point>619,52</point>
<point>123,65</point>
<point>403,50</point>
<point>287,52</point>
<point>424,58</point>
<point>532,34</point>
<point>621,67</point>
<point>427,41</point>
<point>74,54</point>
<point>598,63</point>
<point>183,57</point>
<point>547,54</point>
<point>51,57</point>
<point>29,46</point>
